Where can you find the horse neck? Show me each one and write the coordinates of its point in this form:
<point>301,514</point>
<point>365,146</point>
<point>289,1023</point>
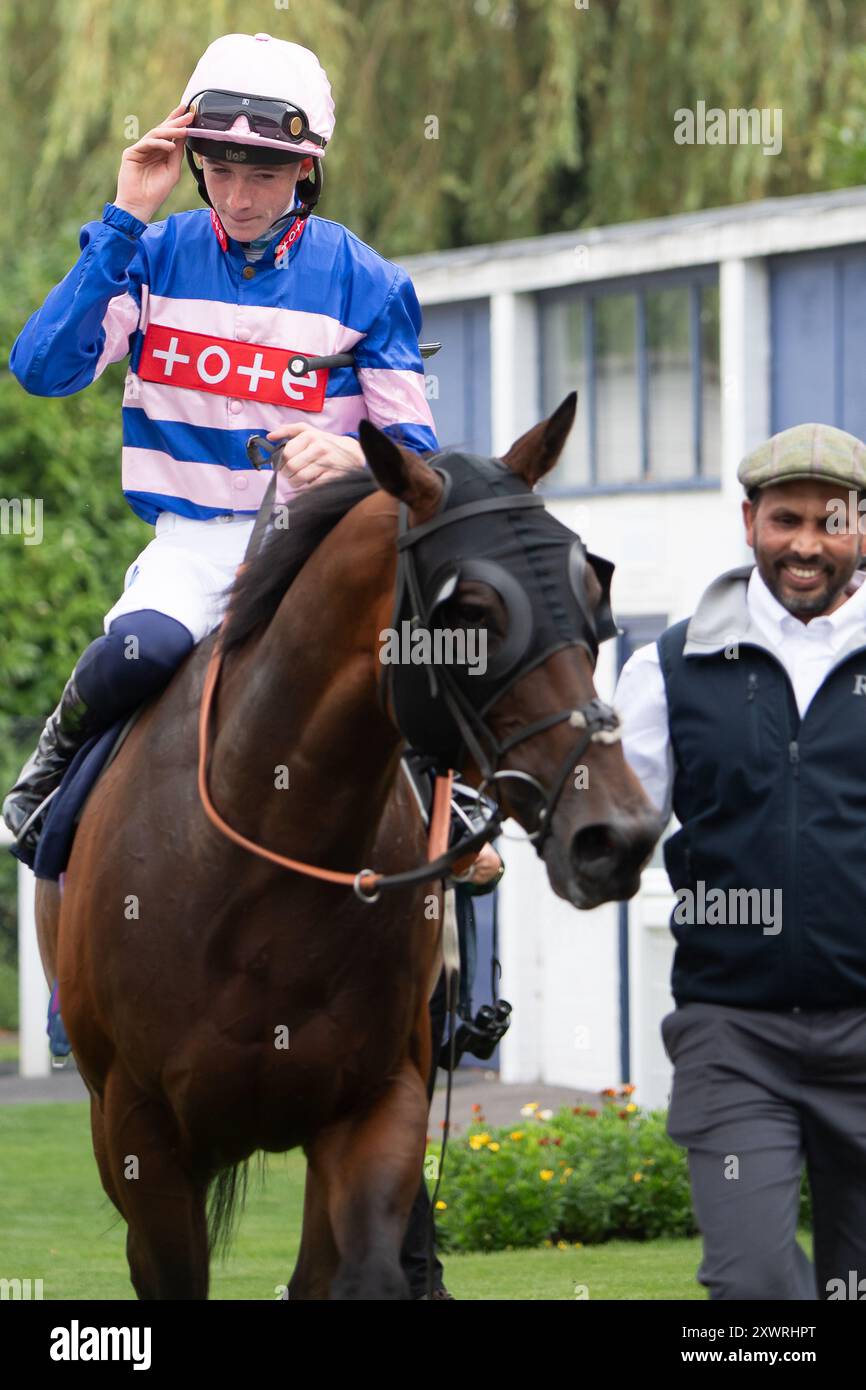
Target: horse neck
<point>304,698</point>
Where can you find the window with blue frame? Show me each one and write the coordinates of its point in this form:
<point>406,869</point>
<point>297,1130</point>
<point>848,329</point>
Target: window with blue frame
<point>643,355</point>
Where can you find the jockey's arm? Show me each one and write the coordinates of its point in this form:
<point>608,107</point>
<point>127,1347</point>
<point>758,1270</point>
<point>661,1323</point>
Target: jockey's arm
<point>390,372</point>
<point>87,320</point>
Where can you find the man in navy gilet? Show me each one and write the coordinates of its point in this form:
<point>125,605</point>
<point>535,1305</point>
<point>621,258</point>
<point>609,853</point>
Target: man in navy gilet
<point>749,721</point>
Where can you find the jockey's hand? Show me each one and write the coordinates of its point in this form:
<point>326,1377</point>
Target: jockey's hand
<point>151,167</point>
<point>312,455</point>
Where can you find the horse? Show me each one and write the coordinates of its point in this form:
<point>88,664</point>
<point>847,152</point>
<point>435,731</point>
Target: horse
<point>219,1005</point>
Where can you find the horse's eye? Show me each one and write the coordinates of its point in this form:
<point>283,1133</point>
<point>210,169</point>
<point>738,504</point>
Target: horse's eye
<point>472,613</point>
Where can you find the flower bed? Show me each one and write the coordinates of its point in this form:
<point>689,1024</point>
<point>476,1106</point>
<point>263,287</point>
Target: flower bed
<point>584,1175</point>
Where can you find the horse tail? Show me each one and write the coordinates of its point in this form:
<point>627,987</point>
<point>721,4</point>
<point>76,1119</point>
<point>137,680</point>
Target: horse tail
<point>225,1203</point>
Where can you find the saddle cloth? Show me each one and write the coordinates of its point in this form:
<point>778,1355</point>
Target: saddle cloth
<point>64,812</point>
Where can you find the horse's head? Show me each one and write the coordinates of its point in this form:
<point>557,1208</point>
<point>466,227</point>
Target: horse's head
<point>488,668</point>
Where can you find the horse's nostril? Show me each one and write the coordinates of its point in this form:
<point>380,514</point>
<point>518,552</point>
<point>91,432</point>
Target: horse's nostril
<point>601,850</point>
<point>591,844</point>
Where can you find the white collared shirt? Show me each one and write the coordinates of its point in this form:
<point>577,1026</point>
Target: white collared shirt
<point>807,651</point>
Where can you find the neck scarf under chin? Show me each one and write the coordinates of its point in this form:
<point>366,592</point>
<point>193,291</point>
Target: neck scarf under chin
<point>254,250</point>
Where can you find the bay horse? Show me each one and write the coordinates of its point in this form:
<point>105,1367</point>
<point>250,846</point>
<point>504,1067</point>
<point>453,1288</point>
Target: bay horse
<point>218,1005</point>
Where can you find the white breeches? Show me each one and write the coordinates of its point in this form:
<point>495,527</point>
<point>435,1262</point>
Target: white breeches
<point>186,570</point>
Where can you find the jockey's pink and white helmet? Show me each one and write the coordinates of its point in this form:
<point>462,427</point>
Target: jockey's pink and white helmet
<point>257,67</point>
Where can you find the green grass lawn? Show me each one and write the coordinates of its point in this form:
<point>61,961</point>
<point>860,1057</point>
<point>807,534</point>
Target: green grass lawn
<point>57,1224</point>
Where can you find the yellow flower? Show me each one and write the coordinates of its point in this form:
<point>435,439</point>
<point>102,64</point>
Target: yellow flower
<point>562,1245</point>
<point>530,1108</point>
<point>631,1106</point>
<point>637,1177</point>
<point>494,1148</point>
<point>477,1141</point>
<point>546,1174</point>
<point>568,1172</point>
<point>516,1134</point>
<point>441,1206</point>
<point>578,1245</point>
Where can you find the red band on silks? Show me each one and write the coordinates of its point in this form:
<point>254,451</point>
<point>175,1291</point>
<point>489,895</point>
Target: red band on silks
<point>294,234</point>
<point>199,362</point>
<point>220,230</point>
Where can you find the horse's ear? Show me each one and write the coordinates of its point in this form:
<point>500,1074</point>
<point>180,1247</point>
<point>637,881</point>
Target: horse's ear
<point>400,471</point>
<point>535,453</point>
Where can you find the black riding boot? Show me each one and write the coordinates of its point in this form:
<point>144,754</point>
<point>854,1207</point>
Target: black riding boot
<point>106,685</point>
<point>71,724</point>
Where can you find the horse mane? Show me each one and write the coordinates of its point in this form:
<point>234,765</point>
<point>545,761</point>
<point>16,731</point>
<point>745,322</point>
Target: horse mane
<point>258,591</point>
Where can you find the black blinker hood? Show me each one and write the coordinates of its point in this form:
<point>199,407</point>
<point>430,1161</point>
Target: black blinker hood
<point>535,564</point>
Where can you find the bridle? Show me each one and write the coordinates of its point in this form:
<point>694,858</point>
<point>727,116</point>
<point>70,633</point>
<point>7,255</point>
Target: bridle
<point>597,721</point>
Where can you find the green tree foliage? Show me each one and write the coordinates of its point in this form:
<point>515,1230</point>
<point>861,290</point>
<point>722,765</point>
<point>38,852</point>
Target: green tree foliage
<point>471,121</point>
<point>65,454</point>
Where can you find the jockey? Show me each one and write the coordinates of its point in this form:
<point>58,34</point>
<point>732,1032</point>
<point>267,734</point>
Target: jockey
<point>209,306</point>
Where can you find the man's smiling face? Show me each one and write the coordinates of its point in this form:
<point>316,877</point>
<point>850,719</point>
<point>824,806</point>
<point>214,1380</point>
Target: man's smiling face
<point>803,564</point>
<point>249,198</point>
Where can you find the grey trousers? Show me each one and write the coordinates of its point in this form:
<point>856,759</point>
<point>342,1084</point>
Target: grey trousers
<point>756,1093</point>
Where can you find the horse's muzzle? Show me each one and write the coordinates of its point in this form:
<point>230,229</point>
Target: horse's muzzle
<point>604,860</point>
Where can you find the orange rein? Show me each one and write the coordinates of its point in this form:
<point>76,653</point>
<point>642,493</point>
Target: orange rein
<point>440,815</point>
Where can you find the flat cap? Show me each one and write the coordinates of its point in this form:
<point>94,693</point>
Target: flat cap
<point>819,452</point>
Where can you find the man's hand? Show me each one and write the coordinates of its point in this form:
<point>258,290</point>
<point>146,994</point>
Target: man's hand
<point>312,455</point>
<point>151,167</point>
<point>485,867</point>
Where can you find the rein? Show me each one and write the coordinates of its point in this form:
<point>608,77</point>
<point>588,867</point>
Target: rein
<point>366,883</point>
<point>598,721</point>
<point>437,837</point>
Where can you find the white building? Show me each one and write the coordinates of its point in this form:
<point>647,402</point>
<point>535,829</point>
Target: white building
<point>690,339</point>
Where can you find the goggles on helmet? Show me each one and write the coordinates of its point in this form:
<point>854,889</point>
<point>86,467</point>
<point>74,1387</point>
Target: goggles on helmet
<point>269,117</point>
